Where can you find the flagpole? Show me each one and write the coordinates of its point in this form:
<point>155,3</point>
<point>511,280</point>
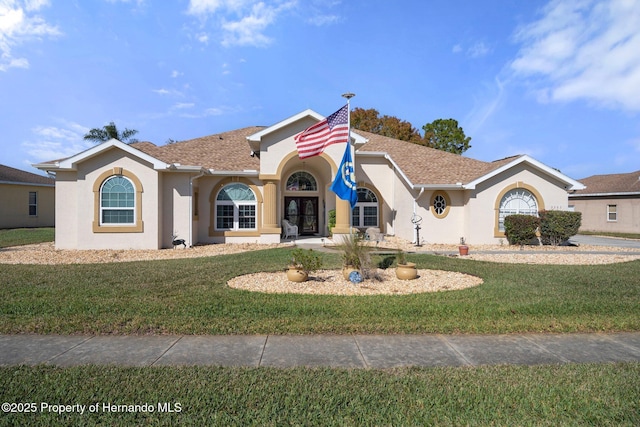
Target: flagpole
<point>348,96</point>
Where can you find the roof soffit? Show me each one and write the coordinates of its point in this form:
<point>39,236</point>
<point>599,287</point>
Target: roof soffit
<point>570,183</point>
<point>71,163</point>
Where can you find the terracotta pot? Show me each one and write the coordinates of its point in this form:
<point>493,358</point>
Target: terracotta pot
<point>464,250</point>
<point>295,274</point>
<point>406,271</point>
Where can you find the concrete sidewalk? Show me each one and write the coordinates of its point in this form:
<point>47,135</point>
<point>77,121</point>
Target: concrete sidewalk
<point>346,351</point>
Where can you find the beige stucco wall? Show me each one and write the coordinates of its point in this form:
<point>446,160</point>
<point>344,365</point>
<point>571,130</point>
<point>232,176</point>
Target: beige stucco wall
<point>594,214</point>
<point>175,207</point>
<point>75,206</point>
<point>14,206</point>
<point>481,213</point>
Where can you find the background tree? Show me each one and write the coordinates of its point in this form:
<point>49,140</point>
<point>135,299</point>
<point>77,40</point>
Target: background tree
<point>110,131</point>
<point>370,121</point>
<point>446,135</point>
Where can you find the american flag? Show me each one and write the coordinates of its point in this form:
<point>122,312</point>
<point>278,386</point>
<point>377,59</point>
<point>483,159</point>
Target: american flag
<point>332,130</point>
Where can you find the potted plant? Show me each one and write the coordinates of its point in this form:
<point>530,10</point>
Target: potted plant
<point>463,249</point>
<point>302,263</point>
<point>405,270</point>
<point>354,254</point>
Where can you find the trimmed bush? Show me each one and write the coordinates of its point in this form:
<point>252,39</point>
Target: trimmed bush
<point>520,229</point>
<point>556,227</point>
<point>332,221</point>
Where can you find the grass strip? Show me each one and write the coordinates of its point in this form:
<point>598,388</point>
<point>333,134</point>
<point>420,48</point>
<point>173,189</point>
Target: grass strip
<point>589,394</point>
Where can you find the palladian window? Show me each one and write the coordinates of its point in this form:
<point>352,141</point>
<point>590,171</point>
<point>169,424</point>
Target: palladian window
<point>517,202</point>
<point>236,208</point>
<point>301,181</point>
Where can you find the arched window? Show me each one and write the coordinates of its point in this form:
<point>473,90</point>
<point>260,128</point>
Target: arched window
<point>301,181</point>
<point>365,212</point>
<point>517,202</point>
<point>117,201</point>
<point>236,208</point>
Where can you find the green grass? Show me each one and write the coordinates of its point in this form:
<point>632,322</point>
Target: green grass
<point>590,394</point>
<point>603,233</point>
<point>25,236</point>
<point>191,297</point>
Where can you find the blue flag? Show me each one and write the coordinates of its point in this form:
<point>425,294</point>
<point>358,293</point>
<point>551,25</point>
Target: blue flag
<point>344,184</point>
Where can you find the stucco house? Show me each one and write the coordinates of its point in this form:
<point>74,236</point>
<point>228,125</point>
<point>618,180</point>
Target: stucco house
<point>26,199</point>
<point>609,203</point>
<point>239,186</point>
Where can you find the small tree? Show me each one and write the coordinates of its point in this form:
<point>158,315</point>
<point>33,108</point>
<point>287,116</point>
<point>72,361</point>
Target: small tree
<point>446,135</point>
<point>371,121</point>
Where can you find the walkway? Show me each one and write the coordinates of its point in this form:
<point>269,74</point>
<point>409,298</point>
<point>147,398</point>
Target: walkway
<point>346,351</point>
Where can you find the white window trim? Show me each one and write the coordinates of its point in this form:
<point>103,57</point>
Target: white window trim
<point>529,211</point>
<point>615,213</point>
<point>361,206</point>
<point>133,208</point>
<point>236,211</point>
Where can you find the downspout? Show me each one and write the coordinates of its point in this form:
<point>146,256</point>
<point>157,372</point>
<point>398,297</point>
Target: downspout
<point>193,178</point>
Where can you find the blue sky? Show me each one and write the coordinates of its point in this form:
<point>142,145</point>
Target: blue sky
<point>558,80</point>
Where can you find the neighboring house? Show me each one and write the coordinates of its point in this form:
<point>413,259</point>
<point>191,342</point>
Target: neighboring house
<point>26,199</point>
<point>239,186</point>
<point>610,203</point>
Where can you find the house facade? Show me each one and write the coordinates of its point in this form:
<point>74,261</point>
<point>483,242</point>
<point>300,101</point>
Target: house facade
<point>239,186</point>
<point>609,203</point>
<point>26,199</point>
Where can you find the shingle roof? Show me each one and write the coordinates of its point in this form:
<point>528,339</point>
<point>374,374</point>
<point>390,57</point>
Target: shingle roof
<point>614,183</point>
<point>228,151</point>
<point>9,174</point>
<point>424,165</point>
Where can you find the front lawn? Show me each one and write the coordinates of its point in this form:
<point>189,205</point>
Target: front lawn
<point>190,296</point>
<point>25,236</point>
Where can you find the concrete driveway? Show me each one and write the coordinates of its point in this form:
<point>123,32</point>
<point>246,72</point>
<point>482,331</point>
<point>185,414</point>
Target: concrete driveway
<point>605,241</point>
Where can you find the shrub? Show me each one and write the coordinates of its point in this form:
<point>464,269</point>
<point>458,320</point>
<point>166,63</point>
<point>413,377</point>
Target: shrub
<point>520,229</point>
<point>557,227</point>
<point>308,260</point>
<point>332,221</point>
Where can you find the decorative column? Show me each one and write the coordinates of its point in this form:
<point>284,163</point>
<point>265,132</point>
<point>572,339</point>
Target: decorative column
<point>343,217</point>
<point>270,219</point>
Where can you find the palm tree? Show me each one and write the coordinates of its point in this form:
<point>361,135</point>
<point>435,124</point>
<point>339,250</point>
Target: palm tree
<point>110,131</point>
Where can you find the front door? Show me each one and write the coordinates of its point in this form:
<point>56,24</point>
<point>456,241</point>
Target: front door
<point>303,212</point>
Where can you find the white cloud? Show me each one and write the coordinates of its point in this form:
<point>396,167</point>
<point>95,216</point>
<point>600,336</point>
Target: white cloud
<point>205,7</point>
<point>175,74</point>
<point>168,92</point>
<point>183,105</point>
<point>51,142</point>
<point>20,24</point>
<point>321,20</point>
<point>242,22</point>
<point>584,49</point>
<point>203,38</point>
<point>478,49</point>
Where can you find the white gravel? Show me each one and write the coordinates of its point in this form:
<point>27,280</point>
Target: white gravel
<point>331,282</point>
